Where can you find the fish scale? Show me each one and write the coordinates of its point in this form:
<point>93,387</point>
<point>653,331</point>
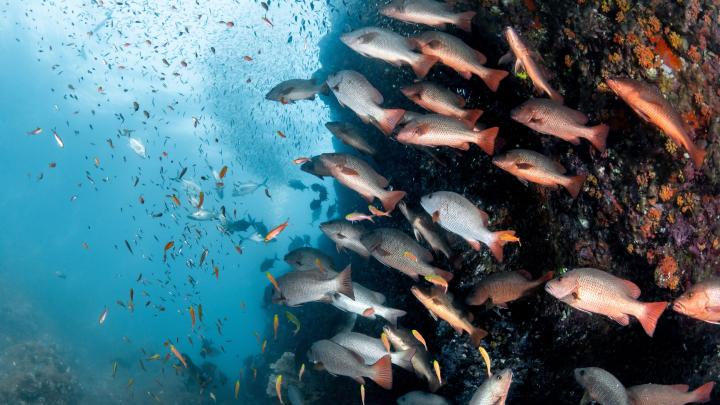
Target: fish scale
<point>603,387</point>
<point>396,243</point>
<point>385,45</point>
<point>458,215</point>
<point>454,52</point>
<point>599,292</point>
<point>442,130</point>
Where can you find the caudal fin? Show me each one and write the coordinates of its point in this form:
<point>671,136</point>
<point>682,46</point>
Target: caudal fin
<point>464,21</point>
<point>485,139</point>
<point>470,117</point>
<point>422,66</point>
<point>493,77</point>
<point>698,156</point>
<point>390,119</point>
<point>574,184</point>
<point>650,315</point>
<point>500,238</point>
<point>546,277</point>
<point>703,393</point>
<point>477,335</point>
<point>382,372</point>
<point>446,275</point>
<point>597,136</point>
<point>391,199</point>
<point>403,359</point>
<point>344,283</point>
<point>392,315</point>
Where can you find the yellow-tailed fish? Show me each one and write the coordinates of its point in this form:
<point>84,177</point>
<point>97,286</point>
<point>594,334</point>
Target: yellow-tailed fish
<point>436,366</point>
<point>178,355</point>
<point>264,345</point>
<point>486,358</point>
<point>362,393</point>
<point>154,357</point>
<point>385,341</point>
<point>302,371</point>
<point>420,338</point>
<point>278,388</point>
<point>276,323</point>
<point>292,318</point>
<point>437,280</point>
<point>192,317</point>
<point>272,280</point>
<point>237,389</point>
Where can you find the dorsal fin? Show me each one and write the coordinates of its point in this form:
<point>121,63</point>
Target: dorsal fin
<point>631,288</point>
<point>525,274</point>
<point>560,168</point>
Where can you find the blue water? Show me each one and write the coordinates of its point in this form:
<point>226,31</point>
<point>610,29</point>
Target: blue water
<point>63,257</point>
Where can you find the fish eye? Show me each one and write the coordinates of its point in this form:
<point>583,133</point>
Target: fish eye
<point>560,278</point>
<point>498,377</point>
<point>582,373</point>
<point>690,294</point>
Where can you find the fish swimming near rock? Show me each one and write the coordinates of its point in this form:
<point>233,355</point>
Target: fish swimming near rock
<point>494,390</point>
<point>354,91</point>
<point>656,394</point>
<point>368,304</point>
<point>456,54</point>
<point>458,215</point>
<point>499,289</point>
<point>428,12</point>
<point>299,287</point>
<point>439,130</point>
<point>601,387</point>
<point>351,135</point>
<point>701,301</point>
<point>530,166</point>
<point>529,61</point>
<point>421,398</point>
<point>596,291</point>
<point>397,250</point>
<point>424,228</point>
<point>358,175</point>
<point>297,185</point>
<point>441,306</point>
<point>371,349</point>
<point>345,235</point>
<point>652,107</point>
<point>340,361</point>
<point>552,118</point>
<point>307,258</point>
<point>292,90</point>
<point>402,339</point>
<point>441,100</point>
<point>389,46</point>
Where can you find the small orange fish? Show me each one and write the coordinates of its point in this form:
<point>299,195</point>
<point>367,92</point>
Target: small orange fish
<point>237,389</point>
<point>216,271</point>
<point>281,134</point>
<point>239,249</point>
<point>273,281</point>
<point>201,200</point>
<point>486,359</point>
<point>248,58</point>
<point>301,160</point>
<point>276,231</point>
<point>420,338</point>
<point>377,212</point>
<point>436,366</point>
<point>276,323</point>
<point>362,393</point>
<point>229,24</point>
<point>192,316</point>
<point>169,245</point>
<point>97,162</point>
<point>175,199</point>
<point>385,341</point>
<point>302,371</point>
<point>178,355</point>
<point>264,345</point>
<point>278,388</point>
<point>223,172</point>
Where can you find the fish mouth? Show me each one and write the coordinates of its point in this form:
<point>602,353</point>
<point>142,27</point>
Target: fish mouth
<point>550,289</point>
<point>679,307</point>
<point>346,39</point>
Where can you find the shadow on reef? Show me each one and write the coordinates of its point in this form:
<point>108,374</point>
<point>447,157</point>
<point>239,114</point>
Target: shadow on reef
<point>646,213</point>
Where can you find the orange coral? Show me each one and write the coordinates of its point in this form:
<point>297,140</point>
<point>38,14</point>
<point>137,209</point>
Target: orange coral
<point>645,56</point>
<point>666,273</point>
<point>694,54</point>
<point>667,55</point>
<point>667,192</point>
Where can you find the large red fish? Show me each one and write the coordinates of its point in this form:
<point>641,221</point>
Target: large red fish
<point>534,167</point>
<point>701,301</point>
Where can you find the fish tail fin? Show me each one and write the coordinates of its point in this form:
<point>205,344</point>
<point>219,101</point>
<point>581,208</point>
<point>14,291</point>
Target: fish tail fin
<point>344,283</point>
<point>382,372</point>
<point>555,96</point>
<point>546,277</point>
<point>574,184</point>
<point>464,21</point>
<point>703,393</point>
<point>264,183</point>
<point>391,117</point>
<point>698,156</point>
<point>597,136</point>
<point>471,116</point>
<point>493,77</point>
<point>423,64</point>
<point>391,199</point>
<point>446,275</point>
<point>477,335</point>
<point>500,238</point>
<point>403,359</point>
<point>486,138</point>
<point>392,315</point>
<point>650,314</point>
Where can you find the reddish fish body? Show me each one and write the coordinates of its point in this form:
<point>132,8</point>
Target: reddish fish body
<point>701,301</point>
<point>527,60</point>
<point>439,130</point>
<point>599,292</point>
<point>534,167</point>
<point>276,231</point>
<point>651,106</point>
<point>501,288</point>
<point>440,306</point>
<point>454,53</point>
<point>655,394</point>
<point>429,12</point>
<point>552,118</point>
<point>440,100</point>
